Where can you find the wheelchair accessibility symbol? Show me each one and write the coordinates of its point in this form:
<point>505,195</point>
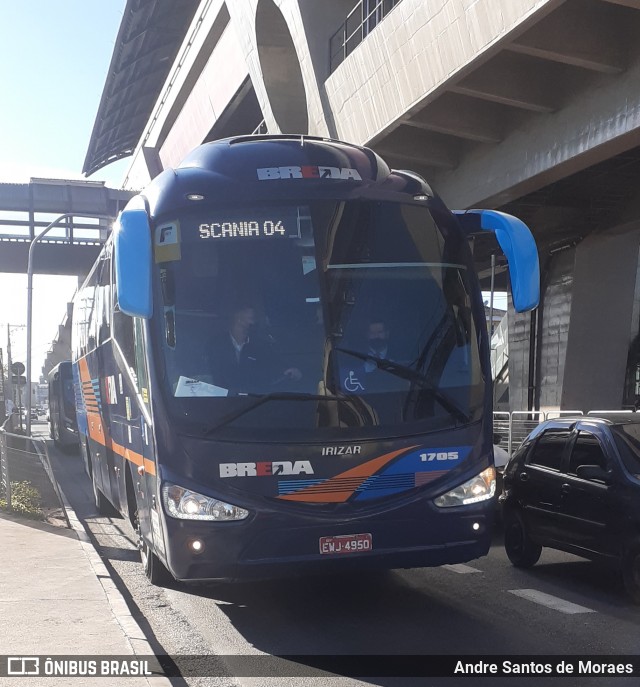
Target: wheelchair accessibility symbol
<point>352,383</point>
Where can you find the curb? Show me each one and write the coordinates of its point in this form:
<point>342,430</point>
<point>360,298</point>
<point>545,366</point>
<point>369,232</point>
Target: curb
<point>133,633</point>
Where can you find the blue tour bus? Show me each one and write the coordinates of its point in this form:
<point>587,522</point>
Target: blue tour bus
<point>283,365</point>
<point>62,406</point>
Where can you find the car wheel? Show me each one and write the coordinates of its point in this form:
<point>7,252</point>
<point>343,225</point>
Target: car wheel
<point>631,571</point>
<point>521,550</point>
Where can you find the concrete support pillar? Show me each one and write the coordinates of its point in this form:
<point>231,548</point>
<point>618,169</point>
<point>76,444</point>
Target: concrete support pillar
<point>601,320</point>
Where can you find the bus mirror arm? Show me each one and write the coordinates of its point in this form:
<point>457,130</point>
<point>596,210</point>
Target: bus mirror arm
<point>519,247</point>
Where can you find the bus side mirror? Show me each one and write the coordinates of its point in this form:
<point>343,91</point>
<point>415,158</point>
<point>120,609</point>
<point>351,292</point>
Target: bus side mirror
<point>519,247</point>
<point>132,255</point>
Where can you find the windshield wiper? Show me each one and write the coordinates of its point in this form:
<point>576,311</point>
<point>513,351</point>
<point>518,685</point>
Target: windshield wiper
<point>261,399</point>
<point>414,377</point>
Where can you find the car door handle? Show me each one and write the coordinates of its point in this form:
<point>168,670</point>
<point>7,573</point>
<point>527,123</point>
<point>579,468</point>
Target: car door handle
<point>524,476</point>
<point>565,488</point>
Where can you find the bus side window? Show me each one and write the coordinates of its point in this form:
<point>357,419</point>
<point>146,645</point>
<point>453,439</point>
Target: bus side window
<point>123,334</point>
<point>129,335</point>
<point>142,372</point>
<point>104,300</point>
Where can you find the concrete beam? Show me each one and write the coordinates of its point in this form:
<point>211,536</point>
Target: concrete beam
<point>463,117</point>
<point>634,4</point>
<point>48,258</point>
<point>400,163</point>
<point>584,34</point>
<point>514,80</point>
<point>595,124</point>
<point>422,147</point>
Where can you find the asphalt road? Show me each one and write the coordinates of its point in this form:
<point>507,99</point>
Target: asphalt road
<point>562,606</point>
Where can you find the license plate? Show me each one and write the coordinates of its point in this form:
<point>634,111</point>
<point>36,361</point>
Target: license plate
<point>346,543</point>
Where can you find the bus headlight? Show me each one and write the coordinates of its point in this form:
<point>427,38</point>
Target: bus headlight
<point>185,504</point>
<point>479,488</point>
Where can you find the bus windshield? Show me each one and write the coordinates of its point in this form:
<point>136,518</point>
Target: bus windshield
<point>314,317</point>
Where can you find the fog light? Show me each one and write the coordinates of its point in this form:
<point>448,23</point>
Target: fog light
<point>476,526</point>
<point>197,546</point>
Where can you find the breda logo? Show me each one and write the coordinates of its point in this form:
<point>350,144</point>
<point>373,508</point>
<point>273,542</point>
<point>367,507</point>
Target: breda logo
<point>266,468</point>
<point>308,172</point>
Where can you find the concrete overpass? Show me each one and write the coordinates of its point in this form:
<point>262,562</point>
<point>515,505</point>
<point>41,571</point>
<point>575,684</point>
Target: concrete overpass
<point>532,106</point>
<point>26,209</point>
<point>71,249</point>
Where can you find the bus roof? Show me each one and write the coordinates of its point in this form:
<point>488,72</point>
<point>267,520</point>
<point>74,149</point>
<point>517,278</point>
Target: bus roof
<point>279,167</point>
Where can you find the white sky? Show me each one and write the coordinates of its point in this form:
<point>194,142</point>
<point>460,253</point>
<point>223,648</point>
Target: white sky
<point>54,58</point>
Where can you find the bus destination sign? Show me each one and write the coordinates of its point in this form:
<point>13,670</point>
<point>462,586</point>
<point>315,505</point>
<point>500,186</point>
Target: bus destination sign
<point>260,223</point>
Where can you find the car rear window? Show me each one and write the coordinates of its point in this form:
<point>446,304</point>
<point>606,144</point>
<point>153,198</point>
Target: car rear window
<point>548,449</point>
<point>627,438</point>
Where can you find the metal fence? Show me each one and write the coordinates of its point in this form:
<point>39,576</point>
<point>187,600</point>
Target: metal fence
<point>362,19</point>
<point>26,459</point>
<point>515,426</point>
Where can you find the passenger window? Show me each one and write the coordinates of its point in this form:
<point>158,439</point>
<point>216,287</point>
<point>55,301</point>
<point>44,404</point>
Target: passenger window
<point>548,449</point>
<point>586,451</point>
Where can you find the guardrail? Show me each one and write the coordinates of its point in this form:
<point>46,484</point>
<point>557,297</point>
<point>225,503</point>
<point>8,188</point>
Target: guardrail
<point>362,19</point>
<point>26,459</point>
<point>515,426</point>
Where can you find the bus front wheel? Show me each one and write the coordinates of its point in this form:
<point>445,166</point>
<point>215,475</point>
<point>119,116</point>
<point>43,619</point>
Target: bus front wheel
<point>154,569</point>
<point>100,500</point>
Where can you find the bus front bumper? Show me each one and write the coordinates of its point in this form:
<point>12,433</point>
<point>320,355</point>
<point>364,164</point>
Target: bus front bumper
<point>275,545</point>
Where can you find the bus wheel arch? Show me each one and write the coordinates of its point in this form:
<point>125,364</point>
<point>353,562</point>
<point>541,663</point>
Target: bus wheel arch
<point>100,500</point>
<point>154,569</point>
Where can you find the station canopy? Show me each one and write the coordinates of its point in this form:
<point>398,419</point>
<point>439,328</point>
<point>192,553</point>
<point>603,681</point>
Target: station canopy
<point>148,41</point>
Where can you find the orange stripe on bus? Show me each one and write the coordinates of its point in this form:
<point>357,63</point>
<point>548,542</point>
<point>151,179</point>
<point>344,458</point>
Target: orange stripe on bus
<point>96,426</point>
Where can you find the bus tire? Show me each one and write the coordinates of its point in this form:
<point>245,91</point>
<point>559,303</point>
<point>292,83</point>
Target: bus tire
<point>100,500</point>
<point>154,568</point>
<point>53,433</point>
<point>631,571</point>
<point>522,551</point>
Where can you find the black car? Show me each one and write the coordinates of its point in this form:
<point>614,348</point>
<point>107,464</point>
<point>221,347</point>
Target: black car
<point>574,485</point>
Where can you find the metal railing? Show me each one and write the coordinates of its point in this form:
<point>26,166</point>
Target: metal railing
<point>362,19</point>
<point>516,426</point>
<point>26,459</point>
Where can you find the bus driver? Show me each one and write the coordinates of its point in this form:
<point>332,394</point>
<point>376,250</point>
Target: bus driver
<point>242,360</point>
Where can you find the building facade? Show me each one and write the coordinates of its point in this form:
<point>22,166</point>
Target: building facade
<point>529,106</point>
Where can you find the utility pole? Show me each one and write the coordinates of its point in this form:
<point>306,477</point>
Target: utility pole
<point>3,415</point>
<point>9,387</point>
<point>32,245</point>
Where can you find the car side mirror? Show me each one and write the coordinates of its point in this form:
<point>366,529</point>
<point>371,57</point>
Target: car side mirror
<point>593,472</point>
